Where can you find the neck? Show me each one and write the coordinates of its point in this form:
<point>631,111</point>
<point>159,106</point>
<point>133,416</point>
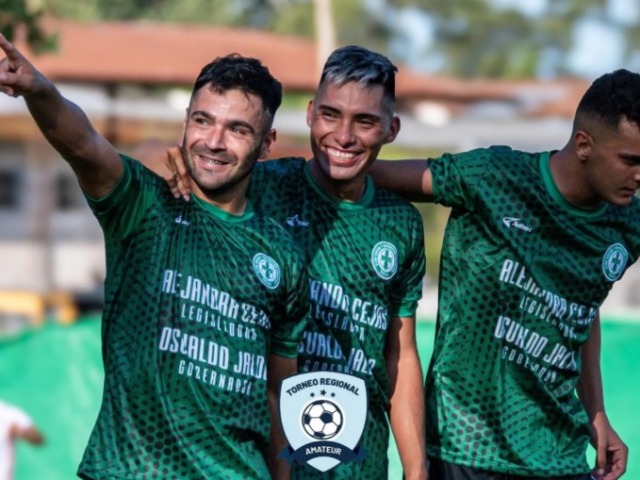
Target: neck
<point>347,190</point>
<point>568,175</point>
<point>233,202</point>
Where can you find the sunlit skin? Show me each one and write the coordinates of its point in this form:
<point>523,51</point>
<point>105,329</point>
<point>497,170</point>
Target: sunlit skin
<point>349,125</point>
<point>224,136</point>
<point>606,166</point>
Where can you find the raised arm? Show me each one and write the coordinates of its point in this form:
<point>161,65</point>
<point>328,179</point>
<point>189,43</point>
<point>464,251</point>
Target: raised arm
<point>409,178</point>
<point>406,415</point>
<point>611,452</point>
<point>64,125</point>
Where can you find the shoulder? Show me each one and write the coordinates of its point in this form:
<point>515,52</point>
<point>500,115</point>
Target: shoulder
<point>280,166</point>
<point>387,199</point>
<point>493,154</point>
<point>275,235</point>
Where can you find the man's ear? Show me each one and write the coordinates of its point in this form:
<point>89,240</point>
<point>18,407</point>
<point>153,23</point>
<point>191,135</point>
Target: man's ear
<point>582,144</point>
<point>268,141</point>
<point>394,129</point>
<point>184,127</point>
<point>309,113</point>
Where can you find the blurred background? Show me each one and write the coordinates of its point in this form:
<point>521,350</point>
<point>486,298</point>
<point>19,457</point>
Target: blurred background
<point>472,73</point>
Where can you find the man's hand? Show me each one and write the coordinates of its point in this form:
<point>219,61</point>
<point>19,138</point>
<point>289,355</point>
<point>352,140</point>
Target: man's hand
<point>180,180</point>
<point>611,452</point>
<point>18,76</point>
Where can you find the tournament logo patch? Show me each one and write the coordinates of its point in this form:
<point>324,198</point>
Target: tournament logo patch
<point>614,261</point>
<point>384,258</point>
<point>323,416</point>
<point>267,270</point>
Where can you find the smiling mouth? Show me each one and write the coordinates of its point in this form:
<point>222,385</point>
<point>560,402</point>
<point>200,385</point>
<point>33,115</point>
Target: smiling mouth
<point>207,161</point>
<point>340,154</point>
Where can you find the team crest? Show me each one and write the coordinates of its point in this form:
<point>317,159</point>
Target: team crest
<point>267,270</point>
<point>614,262</point>
<point>384,258</point>
<point>323,416</point>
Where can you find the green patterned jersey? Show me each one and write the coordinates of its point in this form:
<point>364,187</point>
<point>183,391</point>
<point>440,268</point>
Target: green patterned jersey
<point>366,264</point>
<point>196,300</point>
<point>523,274</point>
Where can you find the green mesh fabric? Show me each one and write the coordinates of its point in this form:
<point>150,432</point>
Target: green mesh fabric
<point>366,264</point>
<point>192,312</point>
<point>523,274</point>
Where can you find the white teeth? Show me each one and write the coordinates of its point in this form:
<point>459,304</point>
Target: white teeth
<point>337,153</point>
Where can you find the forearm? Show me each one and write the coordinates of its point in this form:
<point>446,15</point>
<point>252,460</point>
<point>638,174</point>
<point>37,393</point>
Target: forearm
<point>63,123</point>
<point>409,178</point>
<point>406,417</point>
<point>589,387</point>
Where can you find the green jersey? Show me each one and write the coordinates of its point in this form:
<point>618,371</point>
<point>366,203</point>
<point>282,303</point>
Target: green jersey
<point>523,274</point>
<point>196,300</point>
<point>366,264</point>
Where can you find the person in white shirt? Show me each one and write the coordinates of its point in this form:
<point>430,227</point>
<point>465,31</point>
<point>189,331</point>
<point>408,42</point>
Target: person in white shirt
<point>14,424</point>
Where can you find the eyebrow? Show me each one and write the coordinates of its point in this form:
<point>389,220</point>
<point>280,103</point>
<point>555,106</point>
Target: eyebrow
<point>231,123</point>
<point>359,116</point>
<point>631,156</point>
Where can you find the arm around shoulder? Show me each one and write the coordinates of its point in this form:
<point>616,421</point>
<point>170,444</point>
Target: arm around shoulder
<point>410,179</point>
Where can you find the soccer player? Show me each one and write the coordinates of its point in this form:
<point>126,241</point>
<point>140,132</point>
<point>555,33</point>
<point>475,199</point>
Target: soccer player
<point>365,253</point>
<point>205,301</point>
<point>533,245</point>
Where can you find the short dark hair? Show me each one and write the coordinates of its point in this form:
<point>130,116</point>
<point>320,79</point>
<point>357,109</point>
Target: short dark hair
<point>249,75</point>
<point>358,64</point>
<point>612,97</point>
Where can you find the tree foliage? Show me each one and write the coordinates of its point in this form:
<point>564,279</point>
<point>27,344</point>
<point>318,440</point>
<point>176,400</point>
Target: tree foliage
<point>478,38</point>
<point>24,17</point>
<point>471,37</point>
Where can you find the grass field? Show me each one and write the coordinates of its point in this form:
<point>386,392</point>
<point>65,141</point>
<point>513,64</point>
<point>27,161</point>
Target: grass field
<point>55,373</point>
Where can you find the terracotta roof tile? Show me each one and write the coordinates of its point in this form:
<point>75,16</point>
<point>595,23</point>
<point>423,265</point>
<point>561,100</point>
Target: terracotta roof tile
<point>162,53</point>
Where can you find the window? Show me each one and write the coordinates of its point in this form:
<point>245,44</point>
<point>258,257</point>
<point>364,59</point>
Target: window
<point>68,193</point>
<point>9,188</point>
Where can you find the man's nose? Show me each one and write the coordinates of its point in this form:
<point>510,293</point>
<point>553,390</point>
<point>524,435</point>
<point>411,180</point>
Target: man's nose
<point>344,134</point>
<point>215,139</point>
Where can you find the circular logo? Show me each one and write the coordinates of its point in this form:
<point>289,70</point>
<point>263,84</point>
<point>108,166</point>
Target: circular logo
<point>267,270</point>
<point>322,419</point>
<point>614,262</point>
<point>384,258</point>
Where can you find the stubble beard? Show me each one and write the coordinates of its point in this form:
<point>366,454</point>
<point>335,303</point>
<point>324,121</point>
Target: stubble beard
<point>225,185</point>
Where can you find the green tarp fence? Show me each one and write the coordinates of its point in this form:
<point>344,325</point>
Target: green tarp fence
<point>55,374</point>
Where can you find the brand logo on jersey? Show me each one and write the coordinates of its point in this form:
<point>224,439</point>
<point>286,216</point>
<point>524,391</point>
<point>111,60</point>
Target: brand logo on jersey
<point>181,221</point>
<point>384,258</point>
<point>614,261</point>
<point>296,222</point>
<point>323,416</point>
<point>267,270</point>
<point>510,222</point>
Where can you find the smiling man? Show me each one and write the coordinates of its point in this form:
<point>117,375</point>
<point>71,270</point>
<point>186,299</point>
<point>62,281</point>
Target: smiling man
<point>200,296</point>
<point>365,254</point>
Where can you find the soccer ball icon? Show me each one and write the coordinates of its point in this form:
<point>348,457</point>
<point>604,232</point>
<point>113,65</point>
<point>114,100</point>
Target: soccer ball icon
<point>322,419</point>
